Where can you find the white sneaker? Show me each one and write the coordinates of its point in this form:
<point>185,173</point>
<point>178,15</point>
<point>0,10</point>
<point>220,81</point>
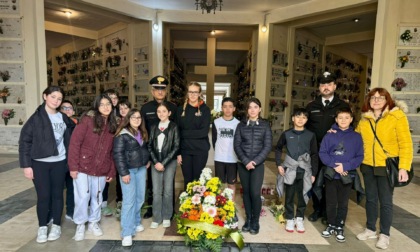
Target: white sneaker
<point>166,223</point>
<point>154,225</point>
<point>68,217</point>
<point>383,241</point>
<point>127,241</point>
<point>367,234</point>
<point>300,228</point>
<point>140,228</point>
<point>94,228</point>
<point>290,225</point>
<point>55,232</point>
<point>80,233</point>
<point>42,234</point>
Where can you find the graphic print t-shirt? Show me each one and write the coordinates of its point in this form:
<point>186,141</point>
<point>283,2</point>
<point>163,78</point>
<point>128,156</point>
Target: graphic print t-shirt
<point>59,127</point>
<point>223,151</point>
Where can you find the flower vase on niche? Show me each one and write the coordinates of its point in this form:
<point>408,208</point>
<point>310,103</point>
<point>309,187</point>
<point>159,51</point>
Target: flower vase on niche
<point>4,99</point>
<point>6,121</point>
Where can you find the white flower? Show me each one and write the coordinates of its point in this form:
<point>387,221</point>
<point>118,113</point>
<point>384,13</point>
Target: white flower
<point>196,199</point>
<point>183,196</point>
<point>202,181</point>
<point>211,210</point>
<point>211,200</point>
<point>227,193</point>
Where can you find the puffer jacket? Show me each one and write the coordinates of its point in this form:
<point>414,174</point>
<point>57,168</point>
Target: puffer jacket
<point>170,144</point>
<point>393,131</point>
<point>252,143</point>
<point>37,138</point>
<point>89,152</point>
<point>128,153</point>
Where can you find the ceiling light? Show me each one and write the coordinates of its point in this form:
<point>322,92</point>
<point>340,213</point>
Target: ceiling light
<point>264,27</point>
<point>209,5</point>
<point>356,20</point>
<point>155,22</point>
<point>67,13</point>
<point>213,32</point>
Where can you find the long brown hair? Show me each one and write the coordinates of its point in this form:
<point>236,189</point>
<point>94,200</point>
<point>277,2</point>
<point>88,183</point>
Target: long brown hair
<point>192,83</point>
<point>98,119</point>
<point>126,124</point>
<point>382,92</point>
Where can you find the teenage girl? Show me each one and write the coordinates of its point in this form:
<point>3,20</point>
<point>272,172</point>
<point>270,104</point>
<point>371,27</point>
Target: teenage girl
<point>132,160</point>
<point>193,120</point>
<point>252,143</point>
<point>163,147</point>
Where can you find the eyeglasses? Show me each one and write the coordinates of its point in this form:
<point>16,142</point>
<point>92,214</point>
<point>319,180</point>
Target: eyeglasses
<point>193,92</point>
<point>105,105</point>
<point>135,118</point>
<point>377,98</point>
<point>113,97</point>
<point>65,108</point>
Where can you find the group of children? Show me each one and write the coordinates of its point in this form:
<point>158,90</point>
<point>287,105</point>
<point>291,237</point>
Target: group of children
<point>101,145</point>
<point>341,152</point>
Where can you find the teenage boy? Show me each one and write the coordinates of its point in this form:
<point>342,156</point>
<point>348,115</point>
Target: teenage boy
<point>341,153</point>
<point>68,109</point>
<point>223,132</point>
<point>299,168</point>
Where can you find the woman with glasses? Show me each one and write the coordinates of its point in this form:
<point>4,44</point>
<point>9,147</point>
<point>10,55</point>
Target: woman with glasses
<point>193,121</point>
<point>131,158</point>
<point>388,119</point>
<point>91,164</point>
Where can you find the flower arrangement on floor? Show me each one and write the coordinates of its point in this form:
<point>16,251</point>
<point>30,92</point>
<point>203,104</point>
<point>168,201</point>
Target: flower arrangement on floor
<point>206,214</point>
<point>7,114</point>
<point>278,211</point>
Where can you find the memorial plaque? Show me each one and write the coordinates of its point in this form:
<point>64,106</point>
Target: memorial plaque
<point>412,80</point>
<point>11,50</point>
<point>9,7</point>
<point>10,28</point>
<point>414,33</point>
<point>408,58</point>
<point>14,71</point>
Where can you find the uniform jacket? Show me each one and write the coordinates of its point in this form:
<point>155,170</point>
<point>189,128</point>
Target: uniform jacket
<point>37,137</point>
<point>128,153</point>
<point>89,152</point>
<point>321,117</point>
<point>252,143</point>
<point>148,112</point>
<point>170,145</point>
<point>393,131</point>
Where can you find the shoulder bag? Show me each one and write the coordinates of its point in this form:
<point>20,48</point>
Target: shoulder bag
<point>392,166</point>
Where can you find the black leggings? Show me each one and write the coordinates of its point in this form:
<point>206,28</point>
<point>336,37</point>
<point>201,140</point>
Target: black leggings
<point>49,183</point>
<point>192,165</point>
<point>251,181</point>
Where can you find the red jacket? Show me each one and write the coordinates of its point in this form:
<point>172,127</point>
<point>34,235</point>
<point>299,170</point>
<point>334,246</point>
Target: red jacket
<point>89,152</point>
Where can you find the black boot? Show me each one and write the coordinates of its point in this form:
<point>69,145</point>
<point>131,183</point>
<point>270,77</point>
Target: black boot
<point>255,227</point>
<point>247,226</point>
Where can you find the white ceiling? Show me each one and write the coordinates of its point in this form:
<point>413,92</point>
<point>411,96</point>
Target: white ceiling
<point>96,18</point>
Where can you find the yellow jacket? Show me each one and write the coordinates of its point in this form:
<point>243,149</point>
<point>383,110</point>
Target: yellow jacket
<point>393,131</point>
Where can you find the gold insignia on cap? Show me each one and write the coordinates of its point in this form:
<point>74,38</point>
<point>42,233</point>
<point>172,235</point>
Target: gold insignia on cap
<point>160,80</point>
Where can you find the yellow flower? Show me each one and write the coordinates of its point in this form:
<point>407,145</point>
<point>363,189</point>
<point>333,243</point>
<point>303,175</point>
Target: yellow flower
<point>212,236</point>
<point>205,217</point>
<point>186,206</point>
<point>190,186</point>
<point>194,233</point>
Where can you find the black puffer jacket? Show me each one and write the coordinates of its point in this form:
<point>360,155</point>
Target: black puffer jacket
<point>37,138</point>
<point>253,143</point>
<point>170,145</point>
<point>128,153</point>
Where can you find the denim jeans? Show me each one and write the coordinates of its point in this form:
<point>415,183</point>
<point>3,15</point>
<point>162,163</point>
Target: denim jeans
<point>134,194</point>
<point>163,192</point>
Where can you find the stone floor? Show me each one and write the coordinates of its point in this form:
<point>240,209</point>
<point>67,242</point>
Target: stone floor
<point>18,222</point>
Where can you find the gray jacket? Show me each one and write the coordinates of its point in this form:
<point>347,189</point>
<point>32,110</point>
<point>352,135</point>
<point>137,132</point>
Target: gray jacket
<point>304,162</point>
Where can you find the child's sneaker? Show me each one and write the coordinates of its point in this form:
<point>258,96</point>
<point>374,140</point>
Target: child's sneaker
<point>166,223</point>
<point>290,225</point>
<point>127,241</point>
<point>106,211</point>
<point>80,233</point>
<point>94,228</point>
<point>55,232</point>
<point>328,231</point>
<point>339,234</point>
<point>383,241</point>
<point>367,234</point>
<point>300,228</point>
<point>42,234</point>
<point>140,228</point>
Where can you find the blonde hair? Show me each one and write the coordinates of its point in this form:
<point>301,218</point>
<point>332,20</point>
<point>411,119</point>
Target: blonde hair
<point>192,83</point>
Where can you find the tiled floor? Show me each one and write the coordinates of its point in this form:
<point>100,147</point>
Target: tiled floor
<point>18,222</point>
